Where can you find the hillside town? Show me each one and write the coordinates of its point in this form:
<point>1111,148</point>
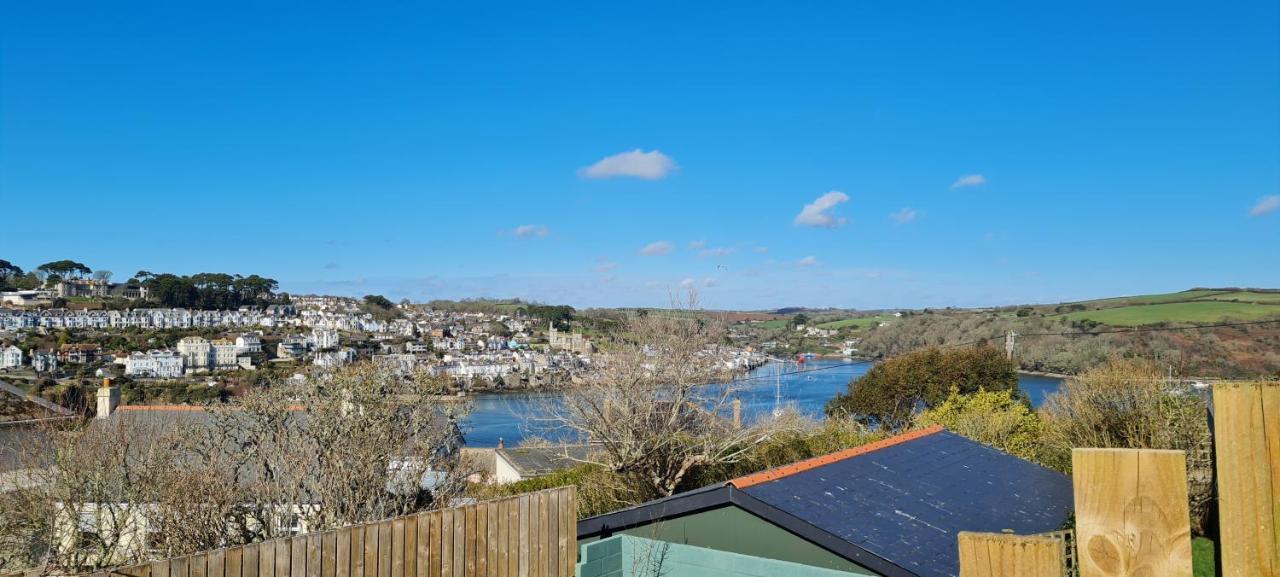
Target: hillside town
<point>475,348</point>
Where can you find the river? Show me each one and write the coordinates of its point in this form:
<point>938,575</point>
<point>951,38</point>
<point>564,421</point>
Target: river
<point>513,416</point>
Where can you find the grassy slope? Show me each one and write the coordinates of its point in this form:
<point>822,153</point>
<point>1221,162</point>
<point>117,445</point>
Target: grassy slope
<point>1193,306</point>
<point>1183,312</point>
<point>859,322</point>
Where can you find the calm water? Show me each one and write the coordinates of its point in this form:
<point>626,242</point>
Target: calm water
<point>515,416</point>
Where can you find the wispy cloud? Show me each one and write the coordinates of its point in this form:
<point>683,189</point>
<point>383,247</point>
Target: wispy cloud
<point>652,165</point>
<point>1266,205</point>
<point>760,249</point>
<point>689,282</point>
<point>530,231</point>
<point>819,213</point>
<point>331,266</point>
<point>716,252</point>
<point>904,216</point>
<point>606,266</point>
<point>808,261</point>
<point>697,244</point>
<point>656,248</point>
<point>969,180</point>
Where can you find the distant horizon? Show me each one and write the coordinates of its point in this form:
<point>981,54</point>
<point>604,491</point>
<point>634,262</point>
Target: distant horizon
<point>854,155</point>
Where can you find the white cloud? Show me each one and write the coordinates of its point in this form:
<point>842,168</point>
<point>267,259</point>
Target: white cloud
<point>1266,205</point>
<point>656,248</point>
<point>686,283</point>
<point>715,252</point>
<point>531,231</point>
<point>761,249</point>
<point>819,212</point>
<point>969,180</point>
<point>808,261</point>
<point>697,244</point>
<point>904,216</point>
<point>709,282</point>
<point>653,165</point>
<point>606,266</point>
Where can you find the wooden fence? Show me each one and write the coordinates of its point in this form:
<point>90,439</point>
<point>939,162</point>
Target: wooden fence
<point>530,535</point>
<point>1002,555</point>
<point>1247,445</point>
<point>1132,517</point>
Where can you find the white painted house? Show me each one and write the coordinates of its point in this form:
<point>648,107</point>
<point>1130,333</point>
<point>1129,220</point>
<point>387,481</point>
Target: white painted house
<point>10,357</point>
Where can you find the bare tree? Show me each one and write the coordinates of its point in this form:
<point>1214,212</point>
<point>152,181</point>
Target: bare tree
<point>355,445</point>
<point>651,404</point>
<point>90,493</point>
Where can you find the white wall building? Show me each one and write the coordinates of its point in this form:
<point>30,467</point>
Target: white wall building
<point>159,364</point>
<point>10,357</point>
<point>196,352</point>
<point>323,339</point>
<point>249,343</point>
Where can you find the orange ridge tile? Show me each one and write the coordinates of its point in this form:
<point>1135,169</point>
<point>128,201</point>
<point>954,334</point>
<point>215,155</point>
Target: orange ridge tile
<point>815,462</point>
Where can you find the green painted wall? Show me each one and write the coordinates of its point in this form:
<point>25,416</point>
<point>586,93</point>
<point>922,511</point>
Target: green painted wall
<point>627,556</point>
<point>734,530</point>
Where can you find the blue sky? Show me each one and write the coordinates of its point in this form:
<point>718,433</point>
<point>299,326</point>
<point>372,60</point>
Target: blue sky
<point>959,153</point>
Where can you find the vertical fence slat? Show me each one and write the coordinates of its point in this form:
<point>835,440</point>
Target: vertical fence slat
<point>313,554</point>
<point>1247,446</point>
<point>1132,516</point>
<point>411,546</point>
<point>384,549</point>
<point>234,558</point>
<point>459,542</point>
<point>249,560</point>
<point>437,542</point>
<point>217,563</point>
<point>160,568</point>
<point>198,565</point>
<point>1000,555</point>
<point>424,545</point>
<point>397,548</point>
<point>298,556</point>
<point>342,553</point>
<point>371,550</point>
<point>544,537</point>
<point>522,515</point>
<point>553,533</point>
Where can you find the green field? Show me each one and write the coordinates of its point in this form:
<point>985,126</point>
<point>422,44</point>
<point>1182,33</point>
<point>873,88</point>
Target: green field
<point>772,325</point>
<point>1199,311</point>
<point>858,322</point>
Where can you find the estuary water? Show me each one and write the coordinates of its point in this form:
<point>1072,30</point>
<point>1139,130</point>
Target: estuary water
<point>806,387</point>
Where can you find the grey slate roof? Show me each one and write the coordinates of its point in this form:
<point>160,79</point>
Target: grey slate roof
<point>538,461</point>
<point>907,502</point>
<point>895,506</point>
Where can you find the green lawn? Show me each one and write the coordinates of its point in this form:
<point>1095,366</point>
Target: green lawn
<point>1202,557</point>
<point>858,322</point>
<point>772,325</point>
<point>1178,312</point>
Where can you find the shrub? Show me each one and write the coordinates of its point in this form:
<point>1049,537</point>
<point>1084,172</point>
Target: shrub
<point>892,391</point>
<point>1127,403</point>
<point>994,418</point>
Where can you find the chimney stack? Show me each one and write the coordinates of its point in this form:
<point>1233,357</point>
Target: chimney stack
<point>108,399</point>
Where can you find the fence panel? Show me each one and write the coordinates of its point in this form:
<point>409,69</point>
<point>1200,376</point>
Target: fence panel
<point>531,534</point>
<point>1132,518</point>
<point>1000,555</point>
<point>1247,440</point>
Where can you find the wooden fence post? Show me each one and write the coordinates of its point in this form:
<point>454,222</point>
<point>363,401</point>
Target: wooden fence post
<point>1247,445</point>
<point>1000,555</point>
<point>1132,518</point>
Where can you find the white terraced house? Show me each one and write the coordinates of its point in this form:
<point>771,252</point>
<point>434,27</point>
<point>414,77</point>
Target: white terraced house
<point>10,357</point>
